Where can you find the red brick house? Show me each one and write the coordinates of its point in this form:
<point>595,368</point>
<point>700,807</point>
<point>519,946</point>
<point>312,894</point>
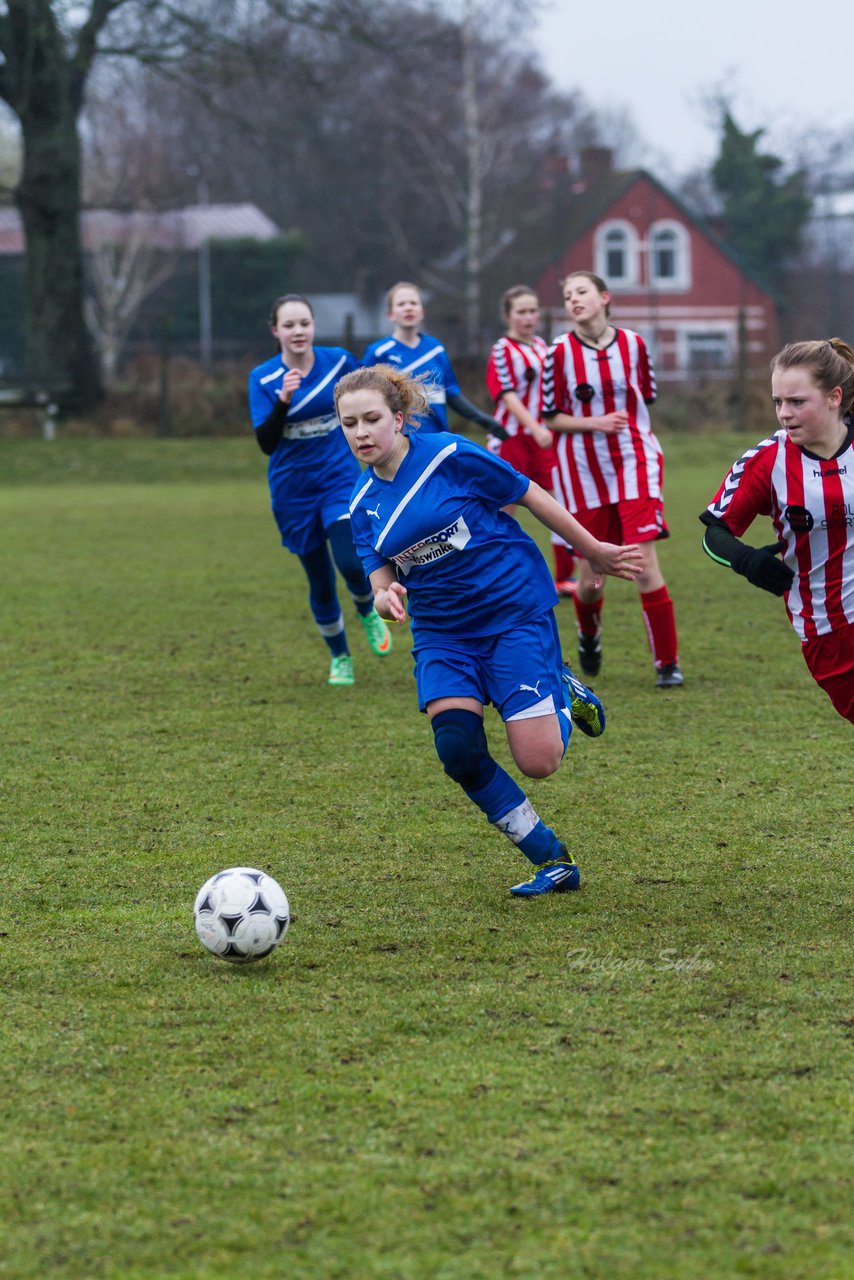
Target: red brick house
<point>671,278</point>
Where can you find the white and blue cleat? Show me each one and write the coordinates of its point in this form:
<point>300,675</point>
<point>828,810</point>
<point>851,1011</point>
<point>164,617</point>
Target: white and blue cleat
<point>585,708</point>
<point>550,877</point>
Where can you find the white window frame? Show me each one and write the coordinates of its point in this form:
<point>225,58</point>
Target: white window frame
<point>680,281</point>
<point>631,249</point>
<point>721,333</point>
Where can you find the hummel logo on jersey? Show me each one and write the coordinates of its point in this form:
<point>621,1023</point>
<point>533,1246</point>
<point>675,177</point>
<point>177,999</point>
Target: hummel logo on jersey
<point>375,514</point>
<point>829,471</point>
<point>532,688</point>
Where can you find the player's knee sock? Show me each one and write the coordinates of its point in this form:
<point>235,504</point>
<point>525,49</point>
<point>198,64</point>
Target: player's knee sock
<point>564,561</point>
<point>461,746</point>
<point>349,565</point>
<point>323,600</point>
<point>660,623</point>
<point>589,615</point>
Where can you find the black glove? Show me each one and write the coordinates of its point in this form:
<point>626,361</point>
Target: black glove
<point>763,567</point>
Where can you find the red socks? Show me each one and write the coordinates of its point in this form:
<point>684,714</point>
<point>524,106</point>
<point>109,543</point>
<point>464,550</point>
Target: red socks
<point>588,615</point>
<point>660,625</point>
<point>564,562</point>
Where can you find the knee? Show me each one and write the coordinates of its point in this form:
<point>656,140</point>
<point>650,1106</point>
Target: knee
<point>541,763</point>
<point>460,743</point>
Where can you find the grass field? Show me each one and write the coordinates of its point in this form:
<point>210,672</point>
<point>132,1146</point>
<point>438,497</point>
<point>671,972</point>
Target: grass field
<point>430,1079</point>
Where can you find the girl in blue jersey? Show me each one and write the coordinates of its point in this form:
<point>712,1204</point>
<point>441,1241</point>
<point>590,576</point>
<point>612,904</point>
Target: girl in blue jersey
<point>428,522</point>
<point>312,473</point>
<point>416,353</point>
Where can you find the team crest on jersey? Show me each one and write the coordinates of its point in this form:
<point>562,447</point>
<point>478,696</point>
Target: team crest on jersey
<point>585,392</point>
<point>799,519</point>
<point>453,538</point>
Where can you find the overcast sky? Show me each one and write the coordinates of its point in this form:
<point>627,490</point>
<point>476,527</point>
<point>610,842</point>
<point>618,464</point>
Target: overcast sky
<point>787,63</point>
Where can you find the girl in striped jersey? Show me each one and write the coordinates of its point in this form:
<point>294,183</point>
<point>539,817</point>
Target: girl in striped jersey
<point>599,382</point>
<point>803,478</point>
<point>514,378</point>
<point>311,474</point>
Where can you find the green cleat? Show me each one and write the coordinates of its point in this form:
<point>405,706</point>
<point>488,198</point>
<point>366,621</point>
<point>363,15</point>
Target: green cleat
<point>586,709</point>
<point>379,636</point>
<point>341,670</point>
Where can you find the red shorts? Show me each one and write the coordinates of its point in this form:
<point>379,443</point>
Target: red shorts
<point>634,520</point>
<point>830,659</point>
<point>523,453</point>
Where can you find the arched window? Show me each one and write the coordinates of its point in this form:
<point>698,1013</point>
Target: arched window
<point>616,253</point>
<point>669,256</point>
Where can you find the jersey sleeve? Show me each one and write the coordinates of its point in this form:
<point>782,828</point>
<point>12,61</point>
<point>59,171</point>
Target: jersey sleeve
<point>555,391</point>
<point>646,373</point>
<point>746,490</point>
<point>361,531</point>
<point>261,402</point>
<point>489,478</point>
<point>370,356</point>
<point>447,375</point>
<point>499,376</point>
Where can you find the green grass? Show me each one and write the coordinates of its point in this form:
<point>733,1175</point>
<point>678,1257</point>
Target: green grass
<point>645,1080</point>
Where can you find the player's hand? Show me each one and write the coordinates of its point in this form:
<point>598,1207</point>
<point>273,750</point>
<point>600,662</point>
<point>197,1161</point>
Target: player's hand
<point>391,604</point>
<point>290,383</point>
<point>616,561</point>
<point>765,569</point>
<point>495,429</point>
<point>542,436</point>
<point>611,423</point>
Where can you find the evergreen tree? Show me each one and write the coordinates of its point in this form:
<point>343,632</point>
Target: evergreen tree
<point>764,210</point>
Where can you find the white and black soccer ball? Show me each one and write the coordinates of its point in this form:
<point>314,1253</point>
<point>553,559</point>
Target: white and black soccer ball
<point>241,914</point>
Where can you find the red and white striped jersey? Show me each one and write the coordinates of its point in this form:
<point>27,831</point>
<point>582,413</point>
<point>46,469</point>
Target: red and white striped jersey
<point>596,468</point>
<point>811,503</point>
<point>516,366</point>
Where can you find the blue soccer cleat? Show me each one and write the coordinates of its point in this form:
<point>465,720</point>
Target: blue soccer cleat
<point>585,708</point>
<point>550,877</point>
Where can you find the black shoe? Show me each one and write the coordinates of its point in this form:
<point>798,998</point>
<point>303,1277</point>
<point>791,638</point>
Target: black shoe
<point>669,677</point>
<point>589,654</point>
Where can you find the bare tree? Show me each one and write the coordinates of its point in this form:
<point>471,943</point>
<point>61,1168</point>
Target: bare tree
<point>123,274</point>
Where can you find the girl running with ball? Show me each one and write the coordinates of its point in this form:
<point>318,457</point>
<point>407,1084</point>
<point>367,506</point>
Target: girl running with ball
<point>429,522</point>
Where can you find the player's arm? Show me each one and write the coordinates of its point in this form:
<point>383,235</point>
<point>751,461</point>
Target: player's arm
<point>389,594</point>
<point>761,566</point>
<point>466,409</point>
<point>607,422</point>
<point>604,557</point>
<point>271,430</point>
<point>541,434</point>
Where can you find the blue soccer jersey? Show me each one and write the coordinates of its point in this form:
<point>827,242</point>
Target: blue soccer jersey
<point>312,470</point>
<point>429,362</point>
<point>469,568</point>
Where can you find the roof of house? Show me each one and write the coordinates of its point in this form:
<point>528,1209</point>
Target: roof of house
<point>173,229</point>
<point>590,202</point>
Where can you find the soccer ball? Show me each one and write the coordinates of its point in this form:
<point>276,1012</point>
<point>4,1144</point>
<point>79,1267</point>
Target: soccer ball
<point>241,914</point>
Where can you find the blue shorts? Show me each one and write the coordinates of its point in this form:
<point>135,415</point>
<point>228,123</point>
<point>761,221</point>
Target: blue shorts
<point>519,670</point>
<point>303,524</point>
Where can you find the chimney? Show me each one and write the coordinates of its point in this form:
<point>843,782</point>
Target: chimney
<point>596,163</point>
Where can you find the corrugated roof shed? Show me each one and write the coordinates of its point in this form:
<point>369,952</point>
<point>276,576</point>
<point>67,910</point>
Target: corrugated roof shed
<point>173,229</point>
